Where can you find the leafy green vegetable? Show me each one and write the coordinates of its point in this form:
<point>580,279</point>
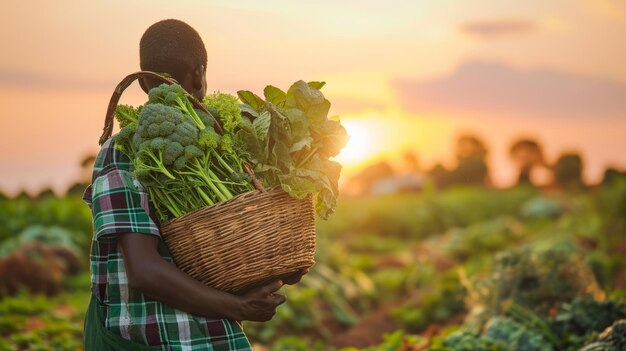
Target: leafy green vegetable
<point>227,108</point>
<point>185,164</point>
<point>176,153</point>
<point>289,140</point>
<point>502,334</point>
<point>516,336</point>
<point>576,322</point>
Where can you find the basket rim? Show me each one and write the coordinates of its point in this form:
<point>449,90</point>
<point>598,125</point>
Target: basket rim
<point>225,203</point>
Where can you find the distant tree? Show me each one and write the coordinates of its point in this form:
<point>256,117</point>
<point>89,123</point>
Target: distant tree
<point>528,154</point>
<point>471,154</point>
<point>470,146</point>
<point>471,170</point>
<point>611,174</point>
<point>45,194</point>
<point>23,195</point>
<point>440,176</point>
<point>411,163</point>
<point>568,171</point>
<point>77,189</point>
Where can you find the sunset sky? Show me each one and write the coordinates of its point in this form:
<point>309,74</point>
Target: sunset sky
<point>402,75</point>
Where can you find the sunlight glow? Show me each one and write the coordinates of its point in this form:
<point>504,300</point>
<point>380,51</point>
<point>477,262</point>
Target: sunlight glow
<point>362,143</point>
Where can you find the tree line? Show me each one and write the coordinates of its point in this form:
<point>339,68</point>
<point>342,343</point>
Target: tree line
<point>472,167</point>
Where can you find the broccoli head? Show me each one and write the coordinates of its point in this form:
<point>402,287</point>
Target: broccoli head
<point>209,139</point>
<point>192,151</point>
<point>180,163</point>
<point>159,140</point>
<point>227,108</point>
<point>172,151</point>
<point>175,96</point>
<point>165,93</point>
<point>165,130</point>
<point>226,143</point>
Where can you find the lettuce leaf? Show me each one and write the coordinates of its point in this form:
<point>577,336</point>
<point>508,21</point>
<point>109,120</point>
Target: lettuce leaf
<point>289,140</point>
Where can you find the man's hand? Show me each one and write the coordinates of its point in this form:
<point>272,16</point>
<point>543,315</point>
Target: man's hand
<point>260,304</point>
<point>149,273</point>
<point>295,277</point>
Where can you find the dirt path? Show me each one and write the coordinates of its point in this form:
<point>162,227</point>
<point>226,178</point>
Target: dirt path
<point>370,329</point>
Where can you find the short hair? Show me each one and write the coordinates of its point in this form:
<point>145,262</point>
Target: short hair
<point>173,47</point>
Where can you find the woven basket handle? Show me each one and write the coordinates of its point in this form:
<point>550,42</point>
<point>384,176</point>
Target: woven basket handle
<point>126,82</point>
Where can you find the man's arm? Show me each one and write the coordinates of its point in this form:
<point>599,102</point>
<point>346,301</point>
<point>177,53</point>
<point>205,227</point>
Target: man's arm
<point>149,273</point>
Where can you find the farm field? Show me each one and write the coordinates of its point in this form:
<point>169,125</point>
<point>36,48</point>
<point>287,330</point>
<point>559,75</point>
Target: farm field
<point>466,268</point>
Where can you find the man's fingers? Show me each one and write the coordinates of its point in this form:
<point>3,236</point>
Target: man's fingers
<point>279,298</point>
<point>271,287</point>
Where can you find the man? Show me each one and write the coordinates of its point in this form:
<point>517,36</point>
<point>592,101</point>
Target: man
<point>140,299</point>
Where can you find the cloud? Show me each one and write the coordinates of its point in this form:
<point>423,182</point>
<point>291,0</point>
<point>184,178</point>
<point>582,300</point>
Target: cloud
<point>497,28</point>
<point>498,89</point>
<point>13,79</point>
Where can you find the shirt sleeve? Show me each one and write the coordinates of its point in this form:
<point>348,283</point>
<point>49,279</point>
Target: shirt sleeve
<point>120,205</point>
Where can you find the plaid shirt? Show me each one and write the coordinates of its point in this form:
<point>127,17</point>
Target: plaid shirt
<point>120,205</point>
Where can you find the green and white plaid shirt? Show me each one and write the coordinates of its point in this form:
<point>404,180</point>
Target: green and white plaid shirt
<point>120,205</point>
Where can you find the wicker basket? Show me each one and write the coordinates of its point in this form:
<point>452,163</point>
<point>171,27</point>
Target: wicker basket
<point>246,240</point>
<point>252,238</point>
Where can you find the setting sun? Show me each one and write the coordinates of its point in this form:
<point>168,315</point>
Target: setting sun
<point>362,143</point>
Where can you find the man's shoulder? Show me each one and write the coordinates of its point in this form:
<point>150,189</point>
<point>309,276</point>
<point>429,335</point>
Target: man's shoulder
<point>110,157</point>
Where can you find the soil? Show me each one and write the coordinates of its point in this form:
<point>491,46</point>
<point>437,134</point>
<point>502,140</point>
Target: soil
<point>370,329</point>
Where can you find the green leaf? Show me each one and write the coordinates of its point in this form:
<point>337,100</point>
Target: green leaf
<point>246,139</point>
<point>262,125</point>
<point>333,170</point>
<point>275,95</point>
<point>330,138</point>
<point>301,96</point>
<point>325,203</point>
<point>275,147</point>
<point>298,121</point>
<point>316,85</point>
<point>288,140</point>
<point>126,114</point>
<point>304,143</point>
<point>326,199</point>
<point>298,187</point>
<point>248,111</point>
<point>299,126</point>
<point>311,101</point>
<point>250,98</point>
<point>318,113</point>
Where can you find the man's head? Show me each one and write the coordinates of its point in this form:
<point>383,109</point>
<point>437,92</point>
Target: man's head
<point>173,47</point>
